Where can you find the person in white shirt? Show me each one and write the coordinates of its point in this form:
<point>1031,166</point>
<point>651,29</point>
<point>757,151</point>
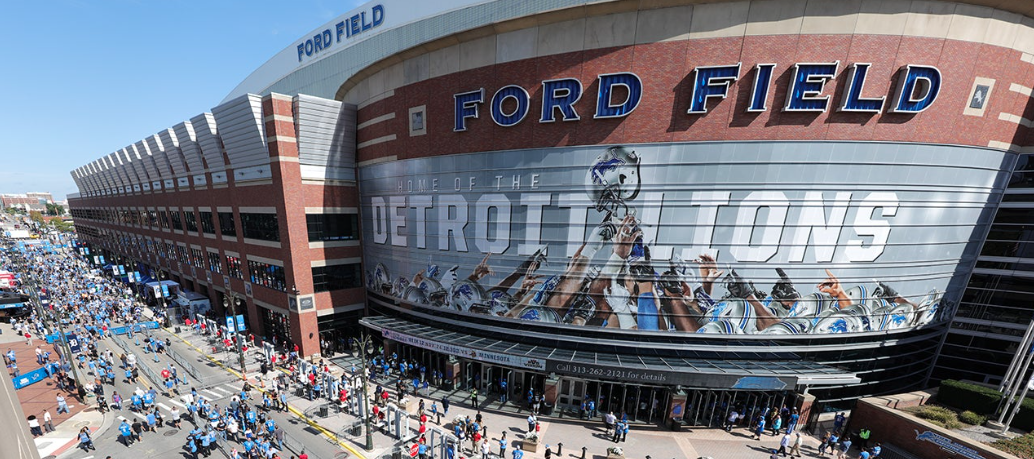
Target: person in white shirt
<point>47,424</point>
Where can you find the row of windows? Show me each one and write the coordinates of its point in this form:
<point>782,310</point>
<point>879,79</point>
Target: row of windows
<point>260,226</point>
<point>336,277</point>
<point>267,275</point>
<point>321,227</point>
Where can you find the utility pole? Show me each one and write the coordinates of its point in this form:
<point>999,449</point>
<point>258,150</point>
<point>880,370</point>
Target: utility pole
<point>366,349</point>
<point>232,301</point>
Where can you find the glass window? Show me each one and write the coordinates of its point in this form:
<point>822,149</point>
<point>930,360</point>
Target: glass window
<point>233,267</point>
<point>214,263</point>
<point>190,220</point>
<point>197,258</point>
<point>163,219</point>
<point>267,275</point>
<point>332,227</point>
<point>226,224</point>
<point>336,277</point>
<point>177,223</point>
<point>206,222</point>
<point>260,226</point>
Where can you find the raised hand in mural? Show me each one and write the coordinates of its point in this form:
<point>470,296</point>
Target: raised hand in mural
<point>709,271</point>
<point>833,288</point>
<point>481,270</point>
<point>626,236</point>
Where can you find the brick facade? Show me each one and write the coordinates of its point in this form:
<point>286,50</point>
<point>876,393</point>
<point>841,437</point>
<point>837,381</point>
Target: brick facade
<point>665,69</point>
<point>286,192</point>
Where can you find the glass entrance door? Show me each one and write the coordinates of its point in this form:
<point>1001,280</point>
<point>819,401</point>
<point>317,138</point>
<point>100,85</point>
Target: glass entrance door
<point>571,394</point>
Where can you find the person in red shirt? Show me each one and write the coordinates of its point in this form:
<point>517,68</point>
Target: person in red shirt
<point>303,456</point>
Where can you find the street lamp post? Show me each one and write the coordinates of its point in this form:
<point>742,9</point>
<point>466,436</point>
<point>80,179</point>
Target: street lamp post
<point>366,349</point>
<point>232,301</point>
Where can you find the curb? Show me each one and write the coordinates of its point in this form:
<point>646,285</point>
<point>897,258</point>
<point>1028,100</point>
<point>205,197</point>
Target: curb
<point>330,435</point>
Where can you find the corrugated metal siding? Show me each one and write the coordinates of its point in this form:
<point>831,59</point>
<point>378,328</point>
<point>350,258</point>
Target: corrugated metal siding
<point>326,132</point>
<point>172,151</point>
<point>241,128</point>
<point>130,168</point>
<point>147,160</point>
<point>161,161</point>
<point>208,139</point>
<point>188,147</point>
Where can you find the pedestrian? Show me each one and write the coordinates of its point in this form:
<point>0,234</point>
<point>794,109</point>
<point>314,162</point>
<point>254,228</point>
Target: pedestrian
<point>531,423</point>
<point>823,444</point>
<point>85,442</point>
<point>795,451</point>
<point>845,448</point>
<point>62,405</point>
<point>617,432</point>
<point>34,427</point>
<point>138,430</point>
<point>48,425</point>
<point>784,444</point>
<point>759,429</point>
<point>126,433</point>
<point>502,446</point>
<point>445,405</point>
<point>485,450</point>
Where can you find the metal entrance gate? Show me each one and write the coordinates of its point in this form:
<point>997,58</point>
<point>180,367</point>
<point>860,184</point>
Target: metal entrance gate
<point>711,408</point>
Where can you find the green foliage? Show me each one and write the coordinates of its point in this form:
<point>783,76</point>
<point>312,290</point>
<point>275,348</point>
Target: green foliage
<point>972,418</point>
<point>55,209</point>
<point>939,415</point>
<point>36,216</point>
<point>1020,446</point>
<point>966,396</point>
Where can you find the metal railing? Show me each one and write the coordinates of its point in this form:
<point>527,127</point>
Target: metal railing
<point>186,366</point>
<point>147,372</point>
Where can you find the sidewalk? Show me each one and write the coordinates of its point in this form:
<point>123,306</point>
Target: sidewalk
<point>643,440</point>
<point>37,398</point>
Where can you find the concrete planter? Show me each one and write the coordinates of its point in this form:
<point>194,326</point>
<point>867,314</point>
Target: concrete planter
<point>530,445</point>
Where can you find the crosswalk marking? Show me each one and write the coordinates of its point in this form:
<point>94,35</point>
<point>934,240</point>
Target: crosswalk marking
<point>140,415</point>
<point>216,394</point>
<point>121,418</point>
<point>228,392</point>
<point>178,403</point>
<point>165,407</point>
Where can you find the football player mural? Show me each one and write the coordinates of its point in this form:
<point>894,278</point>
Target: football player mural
<point>611,280</point>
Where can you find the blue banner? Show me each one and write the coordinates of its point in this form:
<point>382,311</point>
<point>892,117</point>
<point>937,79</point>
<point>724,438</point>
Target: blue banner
<point>73,343</point>
<point>230,327</point>
<point>34,376</point>
<point>165,290</point>
<point>137,328</point>
<point>240,323</point>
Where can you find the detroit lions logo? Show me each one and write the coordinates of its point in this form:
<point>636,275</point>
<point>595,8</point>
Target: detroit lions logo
<point>601,168</point>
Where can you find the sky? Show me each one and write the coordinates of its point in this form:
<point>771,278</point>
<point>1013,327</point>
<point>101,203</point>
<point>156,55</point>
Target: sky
<point>83,79</point>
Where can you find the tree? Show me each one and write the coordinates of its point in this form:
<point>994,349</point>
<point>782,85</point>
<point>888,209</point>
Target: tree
<point>55,209</point>
<point>36,216</point>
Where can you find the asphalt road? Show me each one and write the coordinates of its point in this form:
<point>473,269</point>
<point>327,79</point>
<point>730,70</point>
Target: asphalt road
<point>169,442</point>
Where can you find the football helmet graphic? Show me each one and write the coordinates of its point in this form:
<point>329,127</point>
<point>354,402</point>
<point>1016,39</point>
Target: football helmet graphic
<point>613,179</point>
<point>721,327</point>
<point>465,294</point>
<point>416,295</point>
<point>381,279</point>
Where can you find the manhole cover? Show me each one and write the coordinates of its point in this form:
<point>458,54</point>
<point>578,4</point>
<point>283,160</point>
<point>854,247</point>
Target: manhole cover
<point>50,457</point>
<point>341,456</point>
<point>80,425</point>
<point>169,433</point>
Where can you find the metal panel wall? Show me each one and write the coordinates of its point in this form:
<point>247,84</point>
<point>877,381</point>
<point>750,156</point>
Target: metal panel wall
<point>161,161</point>
<point>242,131</point>
<point>172,151</point>
<point>208,140</point>
<point>326,137</point>
<point>145,159</point>
<point>188,147</point>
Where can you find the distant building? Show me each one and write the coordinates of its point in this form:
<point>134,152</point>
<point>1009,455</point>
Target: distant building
<point>28,201</point>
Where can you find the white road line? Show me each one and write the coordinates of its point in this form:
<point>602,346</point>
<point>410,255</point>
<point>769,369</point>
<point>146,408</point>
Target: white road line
<point>183,405</point>
<point>165,407</point>
<point>121,418</point>
<point>216,394</point>
<point>220,389</point>
<point>140,415</point>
